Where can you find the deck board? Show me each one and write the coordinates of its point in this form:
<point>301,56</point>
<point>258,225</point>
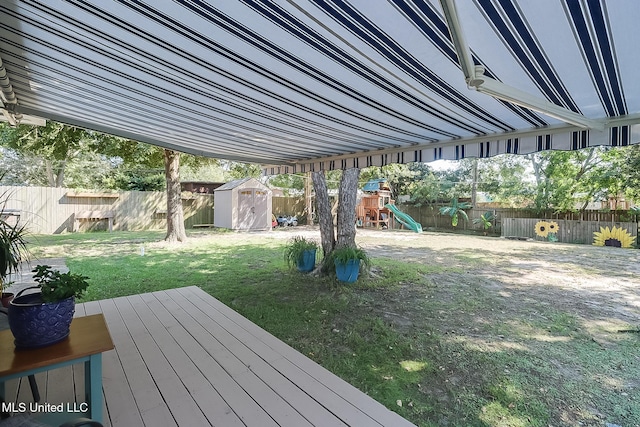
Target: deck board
<point>182,358</point>
<point>331,382</point>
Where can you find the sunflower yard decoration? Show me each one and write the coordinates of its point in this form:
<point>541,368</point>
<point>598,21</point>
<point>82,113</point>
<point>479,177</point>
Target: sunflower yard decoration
<point>542,229</point>
<point>547,230</point>
<point>616,237</point>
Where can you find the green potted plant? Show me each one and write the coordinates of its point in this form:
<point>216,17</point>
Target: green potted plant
<point>13,250</point>
<point>301,252</point>
<point>43,318</point>
<point>347,261</point>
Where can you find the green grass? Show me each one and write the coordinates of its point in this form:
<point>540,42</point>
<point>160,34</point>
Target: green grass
<point>423,349</point>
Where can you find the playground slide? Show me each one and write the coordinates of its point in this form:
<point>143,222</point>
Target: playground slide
<point>404,219</point>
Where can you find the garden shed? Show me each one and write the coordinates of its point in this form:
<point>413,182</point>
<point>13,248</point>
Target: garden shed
<point>243,204</point>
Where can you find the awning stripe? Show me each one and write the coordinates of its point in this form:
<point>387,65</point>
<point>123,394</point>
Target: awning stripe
<point>392,51</point>
<point>255,39</point>
<point>180,95</point>
<point>430,23</point>
<point>566,141</point>
<point>326,83</point>
<point>598,54</point>
<point>527,50</point>
<point>245,62</point>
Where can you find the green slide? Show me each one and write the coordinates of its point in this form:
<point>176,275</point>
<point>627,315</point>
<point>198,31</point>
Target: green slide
<point>404,219</point>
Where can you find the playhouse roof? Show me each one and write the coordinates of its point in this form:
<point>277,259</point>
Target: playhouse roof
<point>373,184</point>
<point>318,84</point>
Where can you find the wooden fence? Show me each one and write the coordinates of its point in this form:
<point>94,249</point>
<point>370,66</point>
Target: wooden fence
<point>289,206</point>
<point>49,210</point>
<point>569,231</point>
<point>575,227</point>
<point>431,218</point>
<point>586,215</point>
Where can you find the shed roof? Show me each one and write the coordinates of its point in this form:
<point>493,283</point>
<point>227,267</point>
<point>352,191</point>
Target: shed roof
<point>237,183</point>
<point>325,84</point>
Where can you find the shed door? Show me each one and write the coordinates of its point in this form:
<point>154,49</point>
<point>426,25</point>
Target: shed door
<point>252,209</point>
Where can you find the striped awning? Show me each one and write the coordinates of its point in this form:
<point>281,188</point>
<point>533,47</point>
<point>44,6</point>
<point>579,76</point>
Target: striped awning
<point>308,85</point>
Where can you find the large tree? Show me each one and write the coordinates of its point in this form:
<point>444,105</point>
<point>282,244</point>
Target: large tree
<point>60,148</point>
<point>560,177</point>
<point>175,214</point>
<point>323,208</point>
<point>346,218</point>
<point>346,224</point>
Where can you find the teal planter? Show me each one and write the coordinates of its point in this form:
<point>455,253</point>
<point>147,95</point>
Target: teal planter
<point>307,261</point>
<point>348,272</point>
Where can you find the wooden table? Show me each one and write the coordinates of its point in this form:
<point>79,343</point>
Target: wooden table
<point>88,339</point>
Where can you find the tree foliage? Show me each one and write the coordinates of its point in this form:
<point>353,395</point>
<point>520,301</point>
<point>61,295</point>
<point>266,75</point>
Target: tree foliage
<point>630,170</point>
<point>288,182</point>
<point>50,155</point>
<point>62,155</point>
<point>401,178</point>
<point>560,180</point>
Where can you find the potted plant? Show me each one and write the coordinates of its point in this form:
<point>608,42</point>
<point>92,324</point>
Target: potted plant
<point>301,253</point>
<point>43,318</point>
<point>13,250</point>
<point>347,261</point>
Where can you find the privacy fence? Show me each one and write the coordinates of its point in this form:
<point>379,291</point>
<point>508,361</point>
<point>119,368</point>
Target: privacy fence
<point>568,231</point>
<point>49,210</point>
<point>573,227</point>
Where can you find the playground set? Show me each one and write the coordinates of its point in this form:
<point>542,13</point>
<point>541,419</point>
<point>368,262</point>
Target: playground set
<point>377,209</point>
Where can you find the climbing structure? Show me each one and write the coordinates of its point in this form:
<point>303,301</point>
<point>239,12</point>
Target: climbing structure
<point>371,211</point>
<point>377,209</point>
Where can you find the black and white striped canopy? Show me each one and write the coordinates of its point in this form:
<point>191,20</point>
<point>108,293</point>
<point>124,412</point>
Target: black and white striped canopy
<point>328,84</point>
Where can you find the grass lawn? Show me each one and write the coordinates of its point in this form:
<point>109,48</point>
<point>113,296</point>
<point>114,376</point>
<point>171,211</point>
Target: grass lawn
<point>446,330</point>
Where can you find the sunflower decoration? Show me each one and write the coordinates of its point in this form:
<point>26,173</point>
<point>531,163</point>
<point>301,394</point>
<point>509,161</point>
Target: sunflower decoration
<point>616,237</point>
<point>542,229</point>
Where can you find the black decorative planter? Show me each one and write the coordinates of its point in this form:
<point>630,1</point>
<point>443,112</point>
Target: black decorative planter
<point>35,323</point>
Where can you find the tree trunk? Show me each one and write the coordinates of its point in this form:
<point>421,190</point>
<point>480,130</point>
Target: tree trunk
<point>60,173</point>
<point>175,215</point>
<point>323,210</point>
<point>48,165</point>
<point>347,208</point>
<point>308,200</point>
<point>474,184</point>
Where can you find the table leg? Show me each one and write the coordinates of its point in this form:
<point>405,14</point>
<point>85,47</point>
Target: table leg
<point>93,386</point>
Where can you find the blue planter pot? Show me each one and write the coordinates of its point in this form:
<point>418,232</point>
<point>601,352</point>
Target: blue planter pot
<point>348,272</point>
<point>37,324</point>
<point>307,261</point>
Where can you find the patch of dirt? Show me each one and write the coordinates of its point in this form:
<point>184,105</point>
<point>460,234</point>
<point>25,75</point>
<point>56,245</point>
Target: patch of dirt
<point>498,295</point>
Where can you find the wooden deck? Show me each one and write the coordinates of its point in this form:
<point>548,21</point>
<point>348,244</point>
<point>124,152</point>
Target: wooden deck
<point>182,358</point>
